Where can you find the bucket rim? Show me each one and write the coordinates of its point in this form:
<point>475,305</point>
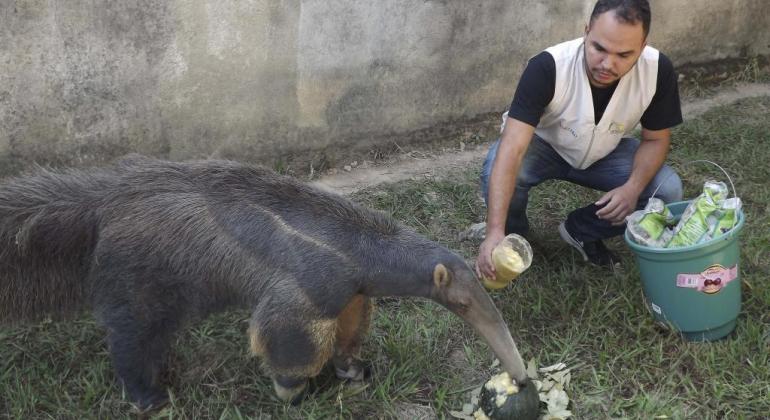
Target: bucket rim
<point>681,249</point>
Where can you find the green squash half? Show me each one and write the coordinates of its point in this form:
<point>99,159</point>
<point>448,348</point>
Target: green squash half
<point>524,405</point>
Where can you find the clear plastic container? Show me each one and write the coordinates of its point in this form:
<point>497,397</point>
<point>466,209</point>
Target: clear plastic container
<point>512,256</point>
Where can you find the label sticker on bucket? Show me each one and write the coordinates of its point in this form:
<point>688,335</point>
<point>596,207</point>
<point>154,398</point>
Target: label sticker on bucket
<point>710,281</point>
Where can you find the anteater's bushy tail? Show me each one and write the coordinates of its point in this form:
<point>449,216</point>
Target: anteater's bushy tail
<point>48,228</point>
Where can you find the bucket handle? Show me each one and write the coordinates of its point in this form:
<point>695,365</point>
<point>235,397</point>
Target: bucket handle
<point>735,193</point>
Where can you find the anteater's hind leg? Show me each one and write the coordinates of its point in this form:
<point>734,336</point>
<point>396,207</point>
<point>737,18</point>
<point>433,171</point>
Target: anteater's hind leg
<point>352,325</point>
<point>140,317</point>
<point>293,350</point>
<point>139,353</point>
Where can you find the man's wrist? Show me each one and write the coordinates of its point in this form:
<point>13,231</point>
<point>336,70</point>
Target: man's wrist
<point>495,229</point>
<point>634,186</point>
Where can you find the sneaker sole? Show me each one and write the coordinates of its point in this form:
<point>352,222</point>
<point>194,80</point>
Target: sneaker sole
<point>566,237</point>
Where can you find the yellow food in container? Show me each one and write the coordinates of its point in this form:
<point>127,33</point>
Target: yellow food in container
<point>512,256</point>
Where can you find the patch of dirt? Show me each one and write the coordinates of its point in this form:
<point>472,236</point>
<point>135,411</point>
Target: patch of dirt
<point>436,161</point>
<point>402,167</point>
<point>694,108</point>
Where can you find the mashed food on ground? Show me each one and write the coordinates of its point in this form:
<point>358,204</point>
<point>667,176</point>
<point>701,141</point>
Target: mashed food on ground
<point>479,415</point>
<point>503,387</point>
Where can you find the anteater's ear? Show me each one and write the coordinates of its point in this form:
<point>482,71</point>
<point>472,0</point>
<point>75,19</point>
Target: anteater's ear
<point>441,277</point>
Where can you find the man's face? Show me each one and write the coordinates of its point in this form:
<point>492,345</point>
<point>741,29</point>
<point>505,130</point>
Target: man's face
<point>611,48</point>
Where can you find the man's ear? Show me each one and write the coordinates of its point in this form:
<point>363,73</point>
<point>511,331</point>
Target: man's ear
<point>441,276</point>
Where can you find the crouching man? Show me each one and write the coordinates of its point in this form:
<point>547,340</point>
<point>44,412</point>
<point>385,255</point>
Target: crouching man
<point>571,116</point>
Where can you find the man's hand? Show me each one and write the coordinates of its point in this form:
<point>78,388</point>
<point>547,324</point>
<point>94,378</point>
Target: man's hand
<point>621,201</point>
<point>618,203</point>
<point>484,265</point>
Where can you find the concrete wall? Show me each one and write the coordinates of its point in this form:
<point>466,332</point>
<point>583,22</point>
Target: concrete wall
<point>87,80</point>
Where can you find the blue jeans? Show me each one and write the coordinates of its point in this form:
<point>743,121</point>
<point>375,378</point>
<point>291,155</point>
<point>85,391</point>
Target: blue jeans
<point>541,163</point>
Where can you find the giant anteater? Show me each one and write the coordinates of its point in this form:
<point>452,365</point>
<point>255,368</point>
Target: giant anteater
<point>150,245</point>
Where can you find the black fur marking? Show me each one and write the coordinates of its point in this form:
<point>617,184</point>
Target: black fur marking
<point>290,347</point>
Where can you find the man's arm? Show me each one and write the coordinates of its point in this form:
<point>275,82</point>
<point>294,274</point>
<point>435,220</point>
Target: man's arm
<point>502,183</point>
<point>620,202</point>
<point>533,93</point>
<point>663,113</point>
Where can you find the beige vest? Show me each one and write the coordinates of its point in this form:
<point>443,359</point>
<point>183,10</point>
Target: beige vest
<point>568,122</point>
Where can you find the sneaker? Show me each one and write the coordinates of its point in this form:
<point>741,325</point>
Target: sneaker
<point>594,252</point>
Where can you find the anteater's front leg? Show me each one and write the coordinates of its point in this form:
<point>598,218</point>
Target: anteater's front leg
<point>352,326</point>
<point>293,349</point>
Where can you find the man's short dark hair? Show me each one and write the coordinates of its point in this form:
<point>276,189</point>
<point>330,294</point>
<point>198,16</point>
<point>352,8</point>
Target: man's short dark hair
<point>628,11</point>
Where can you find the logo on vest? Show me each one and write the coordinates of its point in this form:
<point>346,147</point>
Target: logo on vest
<point>568,129</point>
<point>617,128</point>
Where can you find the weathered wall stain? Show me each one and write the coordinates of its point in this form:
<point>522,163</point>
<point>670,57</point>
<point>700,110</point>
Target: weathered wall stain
<point>81,78</point>
<point>83,81</point>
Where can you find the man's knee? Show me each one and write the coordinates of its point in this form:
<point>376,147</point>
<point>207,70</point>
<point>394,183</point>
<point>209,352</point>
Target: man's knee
<point>527,177</point>
<point>669,185</point>
<point>486,170</point>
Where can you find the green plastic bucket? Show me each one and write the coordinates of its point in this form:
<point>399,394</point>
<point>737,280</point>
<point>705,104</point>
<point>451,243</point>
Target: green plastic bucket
<point>695,290</point>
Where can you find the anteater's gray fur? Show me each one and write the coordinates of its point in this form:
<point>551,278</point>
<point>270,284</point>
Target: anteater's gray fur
<point>151,244</point>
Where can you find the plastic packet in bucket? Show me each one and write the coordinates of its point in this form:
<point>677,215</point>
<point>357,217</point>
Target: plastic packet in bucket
<point>709,216</point>
<point>700,216</point>
<point>650,225</point>
<point>725,218</point>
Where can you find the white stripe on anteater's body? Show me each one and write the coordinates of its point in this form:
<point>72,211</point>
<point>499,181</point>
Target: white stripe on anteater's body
<point>309,240</point>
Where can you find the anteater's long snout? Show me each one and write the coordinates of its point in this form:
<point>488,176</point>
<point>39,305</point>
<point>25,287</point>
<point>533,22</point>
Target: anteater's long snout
<point>484,317</point>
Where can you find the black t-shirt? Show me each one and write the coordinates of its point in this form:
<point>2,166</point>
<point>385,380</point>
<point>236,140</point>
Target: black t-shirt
<point>538,82</point>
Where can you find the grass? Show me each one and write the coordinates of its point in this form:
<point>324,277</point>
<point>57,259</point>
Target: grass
<point>426,361</point>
